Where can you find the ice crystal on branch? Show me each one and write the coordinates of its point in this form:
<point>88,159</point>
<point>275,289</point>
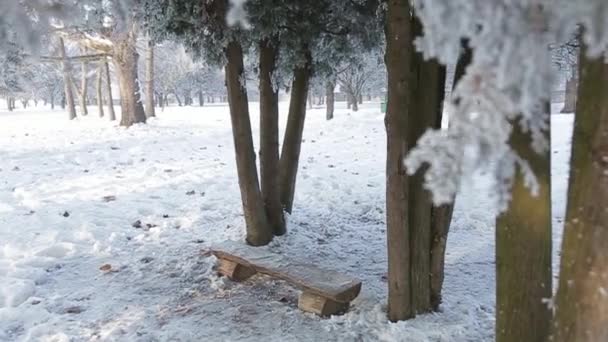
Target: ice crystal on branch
<point>507,81</point>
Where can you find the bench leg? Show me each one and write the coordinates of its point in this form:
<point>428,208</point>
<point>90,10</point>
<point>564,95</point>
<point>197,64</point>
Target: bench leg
<point>321,306</point>
<point>234,271</point>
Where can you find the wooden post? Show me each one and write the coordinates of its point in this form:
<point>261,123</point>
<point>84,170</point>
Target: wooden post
<point>319,305</point>
<point>234,271</point>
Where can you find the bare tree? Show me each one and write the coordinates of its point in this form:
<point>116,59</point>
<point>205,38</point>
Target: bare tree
<point>67,80</point>
<point>99,89</point>
<point>110,99</point>
<point>150,112</point>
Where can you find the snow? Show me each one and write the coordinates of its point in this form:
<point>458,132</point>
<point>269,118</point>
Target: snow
<point>70,193</point>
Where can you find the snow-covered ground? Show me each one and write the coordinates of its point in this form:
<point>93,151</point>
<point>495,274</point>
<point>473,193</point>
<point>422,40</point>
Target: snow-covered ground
<point>70,193</point>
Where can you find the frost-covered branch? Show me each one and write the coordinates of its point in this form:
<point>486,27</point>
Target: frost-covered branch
<point>508,81</point>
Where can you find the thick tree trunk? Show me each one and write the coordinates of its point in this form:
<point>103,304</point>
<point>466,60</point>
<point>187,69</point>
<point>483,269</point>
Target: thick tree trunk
<point>111,113</point>
<point>523,251</point>
<point>398,59</point>
<point>582,296</point>
<point>83,87</point>
<point>100,89</point>
<point>354,102</point>
<point>292,142</point>
<point>441,216</point>
<point>570,95</point>
<point>259,232</point>
<point>150,111</point>
<point>67,81</point>
<point>329,94</point>
<point>428,93</point>
<point>125,60</point>
<point>269,137</point>
<point>9,104</point>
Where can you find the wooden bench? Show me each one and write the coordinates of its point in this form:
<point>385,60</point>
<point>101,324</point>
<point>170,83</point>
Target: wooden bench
<point>323,292</point>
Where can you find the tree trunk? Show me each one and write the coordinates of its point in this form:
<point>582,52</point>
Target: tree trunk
<point>292,142</point>
<point>150,110</point>
<point>259,232</point>
<point>269,137</point>
<point>428,92</point>
<point>329,93</point>
<point>100,89</point>
<point>570,95</point>
<point>63,101</point>
<point>52,100</point>
<point>310,96</point>
<point>67,81</point>
<point>111,113</point>
<point>582,298</point>
<point>441,216</point>
<point>125,60</point>
<point>398,58</point>
<point>83,87</point>
<point>9,104</point>
<point>360,96</point>
<point>523,251</point>
<point>179,101</point>
<point>354,102</point>
<point>201,98</point>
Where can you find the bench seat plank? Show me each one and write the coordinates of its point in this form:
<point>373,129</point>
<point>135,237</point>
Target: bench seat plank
<point>329,284</point>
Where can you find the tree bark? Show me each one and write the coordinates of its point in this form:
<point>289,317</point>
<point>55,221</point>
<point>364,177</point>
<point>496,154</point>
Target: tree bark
<point>52,100</point>
<point>111,113</point>
<point>269,137</point>
<point>523,251</point>
<point>259,231</point>
<point>100,89</point>
<point>428,93</point>
<point>67,81</point>
<point>398,56</point>
<point>582,298</point>
<point>150,110</point>
<point>201,98</point>
<point>329,94</point>
<point>292,142</point>
<point>441,216</point>
<point>125,58</point>
<point>83,87</point>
